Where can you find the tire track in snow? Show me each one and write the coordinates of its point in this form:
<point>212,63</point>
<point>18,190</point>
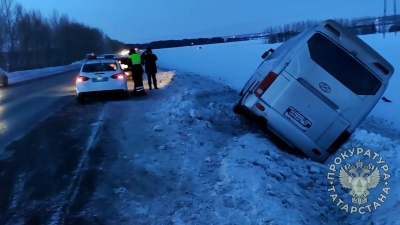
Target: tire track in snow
<point>18,189</point>
<point>62,211</point>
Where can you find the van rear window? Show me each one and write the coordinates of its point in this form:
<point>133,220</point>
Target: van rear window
<point>338,63</point>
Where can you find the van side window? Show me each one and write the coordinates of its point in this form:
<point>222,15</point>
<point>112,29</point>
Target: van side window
<point>272,55</point>
<point>342,66</point>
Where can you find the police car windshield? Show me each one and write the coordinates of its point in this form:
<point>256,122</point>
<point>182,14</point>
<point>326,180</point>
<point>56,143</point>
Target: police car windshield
<point>99,67</point>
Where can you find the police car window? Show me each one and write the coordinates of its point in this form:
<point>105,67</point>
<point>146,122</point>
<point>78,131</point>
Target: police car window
<point>99,67</point>
<point>347,70</point>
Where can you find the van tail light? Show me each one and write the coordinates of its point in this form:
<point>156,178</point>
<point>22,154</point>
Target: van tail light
<point>119,76</point>
<point>339,142</point>
<point>260,107</point>
<point>265,83</point>
<point>81,79</point>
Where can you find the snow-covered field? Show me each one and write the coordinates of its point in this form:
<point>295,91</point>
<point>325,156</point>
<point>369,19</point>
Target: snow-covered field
<point>241,176</point>
<point>25,75</point>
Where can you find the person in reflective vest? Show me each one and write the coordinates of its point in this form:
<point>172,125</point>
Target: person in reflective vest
<point>137,72</point>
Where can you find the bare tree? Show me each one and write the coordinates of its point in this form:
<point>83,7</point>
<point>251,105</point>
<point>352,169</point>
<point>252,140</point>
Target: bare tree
<point>29,40</point>
<point>8,14</point>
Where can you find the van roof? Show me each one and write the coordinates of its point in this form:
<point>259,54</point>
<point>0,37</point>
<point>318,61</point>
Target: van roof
<point>342,33</point>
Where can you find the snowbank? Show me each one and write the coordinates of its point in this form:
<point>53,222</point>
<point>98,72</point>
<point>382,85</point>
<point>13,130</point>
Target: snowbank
<point>25,75</point>
<point>257,179</point>
<point>215,167</point>
<point>78,62</point>
<point>232,63</point>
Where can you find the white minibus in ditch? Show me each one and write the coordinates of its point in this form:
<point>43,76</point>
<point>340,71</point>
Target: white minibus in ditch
<point>315,89</point>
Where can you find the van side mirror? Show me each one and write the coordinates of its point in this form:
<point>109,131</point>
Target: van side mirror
<point>267,53</point>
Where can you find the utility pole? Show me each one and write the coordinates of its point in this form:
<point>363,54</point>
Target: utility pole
<point>395,26</point>
<point>384,17</point>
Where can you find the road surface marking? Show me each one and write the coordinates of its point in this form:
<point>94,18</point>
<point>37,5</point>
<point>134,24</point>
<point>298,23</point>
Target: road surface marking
<point>73,188</point>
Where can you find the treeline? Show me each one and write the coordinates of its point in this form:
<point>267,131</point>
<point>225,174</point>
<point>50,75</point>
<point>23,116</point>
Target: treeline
<point>29,40</point>
<point>177,43</point>
<point>232,39</point>
<point>394,28</point>
<point>359,26</point>
<point>185,42</point>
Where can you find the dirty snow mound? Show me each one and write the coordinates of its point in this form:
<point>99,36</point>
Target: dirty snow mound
<point>241,178</point>
<point>190,160</point>
<point>380,151</point>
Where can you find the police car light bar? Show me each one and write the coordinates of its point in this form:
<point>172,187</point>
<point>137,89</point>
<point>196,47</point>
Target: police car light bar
<point>91,56</point>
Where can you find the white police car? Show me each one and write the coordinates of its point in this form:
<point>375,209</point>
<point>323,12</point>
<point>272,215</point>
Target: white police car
<point>100,75</point>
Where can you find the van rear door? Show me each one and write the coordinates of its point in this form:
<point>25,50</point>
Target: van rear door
<point>334,75</point>
<point>326,91</point>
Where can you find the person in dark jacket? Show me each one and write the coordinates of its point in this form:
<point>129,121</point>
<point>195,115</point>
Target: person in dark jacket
<point>137,72</point>
<point>149,61</point>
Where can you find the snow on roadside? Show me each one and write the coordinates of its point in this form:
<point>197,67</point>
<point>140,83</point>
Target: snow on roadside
<point>24,75</point>
<point>241,175</point>
<point>190,160</point>
<point>199,163</point>
<point>379,132</point>
<point>245,178</point>
<point>383,151</point>
<point>233,63</point>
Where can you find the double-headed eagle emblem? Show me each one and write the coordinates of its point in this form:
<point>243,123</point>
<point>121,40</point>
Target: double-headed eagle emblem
<point>359,183</point>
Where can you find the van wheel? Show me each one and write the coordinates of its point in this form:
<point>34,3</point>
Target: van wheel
<point>238,108</point>
<point>241,92</point>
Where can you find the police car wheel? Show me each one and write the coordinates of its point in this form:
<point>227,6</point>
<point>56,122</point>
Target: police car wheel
<point>80,99</point>
<point>5,81</point>
<point>125,95</point>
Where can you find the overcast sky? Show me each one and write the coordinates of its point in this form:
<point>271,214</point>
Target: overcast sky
<point>139,21</point>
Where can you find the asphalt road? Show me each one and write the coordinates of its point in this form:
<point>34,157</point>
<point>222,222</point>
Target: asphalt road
<point>51,169</point>
<point>23,105</point>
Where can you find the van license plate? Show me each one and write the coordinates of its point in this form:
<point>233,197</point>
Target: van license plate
<point>297,118</point>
